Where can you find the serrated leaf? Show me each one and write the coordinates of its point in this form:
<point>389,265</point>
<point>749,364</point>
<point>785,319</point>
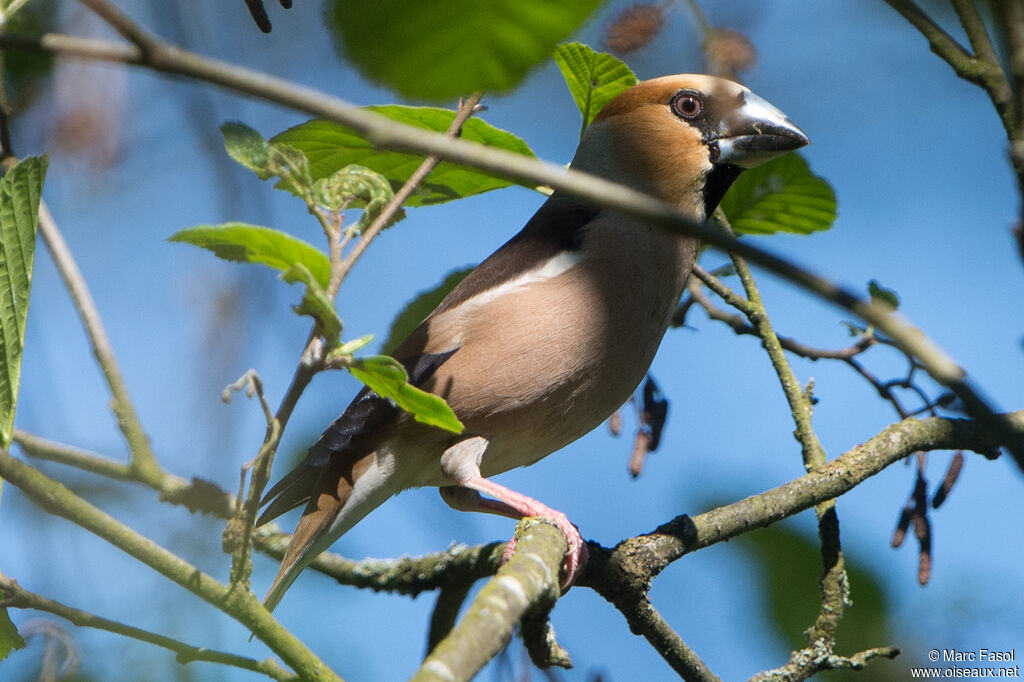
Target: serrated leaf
<point>782,195</point>
<point>20,191</point>
<point>330,147</point>
<point>416,310</point>
<point>441,50</point>
<point>594,78</point>
<point>245,243</point>
<point>246,146</point>
<point>388,379</point>
<point>315,303</point>
<point>10,638</point>
<point>882,295</point>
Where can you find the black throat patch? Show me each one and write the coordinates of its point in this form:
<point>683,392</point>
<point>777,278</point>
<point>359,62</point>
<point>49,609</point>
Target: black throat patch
<point>718,180</point>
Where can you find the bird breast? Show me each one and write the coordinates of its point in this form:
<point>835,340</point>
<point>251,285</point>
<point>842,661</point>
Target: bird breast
<point>543,361</point>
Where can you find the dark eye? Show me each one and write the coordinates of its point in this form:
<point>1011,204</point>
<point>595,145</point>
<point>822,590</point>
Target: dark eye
<point>687,105</point>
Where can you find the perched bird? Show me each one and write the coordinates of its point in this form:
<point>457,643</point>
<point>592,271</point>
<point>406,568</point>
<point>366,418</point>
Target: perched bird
<point>550,334</point>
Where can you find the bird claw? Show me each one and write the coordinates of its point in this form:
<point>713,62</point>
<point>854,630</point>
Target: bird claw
<point>576,553</point>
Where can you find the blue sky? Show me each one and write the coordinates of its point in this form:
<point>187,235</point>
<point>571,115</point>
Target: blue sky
<point>926,198</point>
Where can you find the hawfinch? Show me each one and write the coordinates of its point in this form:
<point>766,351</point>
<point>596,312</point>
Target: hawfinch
<point>549,335</point>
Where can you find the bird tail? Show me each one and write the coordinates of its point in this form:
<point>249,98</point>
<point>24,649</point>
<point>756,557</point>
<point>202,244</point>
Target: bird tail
<point>337,503</point>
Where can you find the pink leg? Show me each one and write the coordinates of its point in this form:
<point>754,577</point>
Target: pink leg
<point>517,506</point>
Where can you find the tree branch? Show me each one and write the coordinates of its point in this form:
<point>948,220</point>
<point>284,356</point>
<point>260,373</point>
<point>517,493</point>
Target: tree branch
<point>644,556</point>
<point>529,578</point>
<point>833,584</point>
<point>389,134</point>
<point>13,595</point>
<point>983,68</point>
<point>197,494</point>
<point>240,604</point>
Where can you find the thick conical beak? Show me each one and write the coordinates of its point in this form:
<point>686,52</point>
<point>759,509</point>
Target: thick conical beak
<point>756,132</point>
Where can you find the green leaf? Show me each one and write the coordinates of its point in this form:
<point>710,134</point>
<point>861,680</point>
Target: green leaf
<point>356,185</point>
<point>782,195</point>
<point>594,78</point>
<point>882,296</point>
<point>441,50</point>
<point>247,147</point>
<point>20,191</point>
<point>289,165</point>
<point>254,244</point>
<point>330,147</point>
<point>316,303</point>
<point>388,379</point>
<point>352,346</point>
<point>416,310</point>
<point>10,639</point>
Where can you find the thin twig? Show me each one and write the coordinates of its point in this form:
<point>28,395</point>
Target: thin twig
<point>13,595</point>
<point>983,69</point>
<point>737,323</point>
<point>196,495</point>
<point>466,109</point>
<point>123,24</point>
<point>834,585</point>
<point>143,462</point>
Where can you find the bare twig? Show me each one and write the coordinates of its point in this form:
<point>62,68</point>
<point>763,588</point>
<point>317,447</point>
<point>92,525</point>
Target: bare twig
<point>143,462</point>
<point>737,323</point>
<point>123,24</point>
<point>833,584</point>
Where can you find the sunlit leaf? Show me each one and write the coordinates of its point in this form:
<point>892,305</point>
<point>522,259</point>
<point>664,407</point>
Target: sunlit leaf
<point>10,639</point>
<point>782,195</point>
<point>254,244</point>
<point>354,345</point>
<point>388,379</point>
<point>20,191</point>
<point>594,78</point>
<point>442,50</point>
<point>246,146</point>
<point>330,147</point>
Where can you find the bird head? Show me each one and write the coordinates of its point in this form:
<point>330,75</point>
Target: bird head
<point>685,139</point>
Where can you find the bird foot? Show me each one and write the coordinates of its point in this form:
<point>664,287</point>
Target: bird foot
<point>576,553</point>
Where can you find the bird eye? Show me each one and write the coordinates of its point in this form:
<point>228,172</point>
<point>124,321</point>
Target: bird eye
<point>687,105</point>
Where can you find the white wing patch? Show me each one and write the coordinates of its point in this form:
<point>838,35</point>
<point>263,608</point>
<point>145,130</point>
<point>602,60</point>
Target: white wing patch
<point>552,268</point>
